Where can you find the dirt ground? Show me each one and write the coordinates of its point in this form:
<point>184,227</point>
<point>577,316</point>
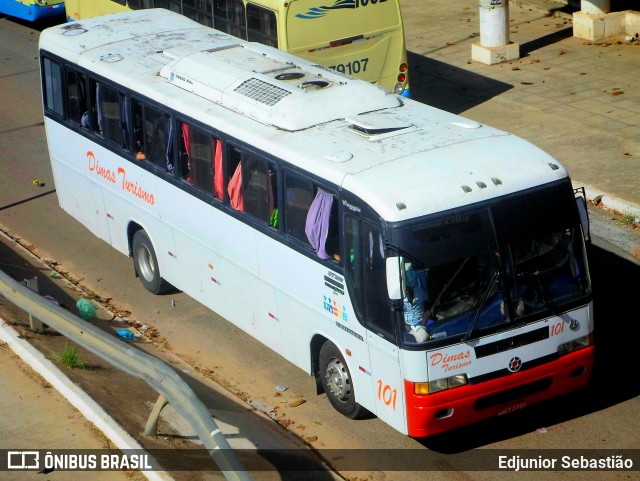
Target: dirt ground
<point>125,398</point>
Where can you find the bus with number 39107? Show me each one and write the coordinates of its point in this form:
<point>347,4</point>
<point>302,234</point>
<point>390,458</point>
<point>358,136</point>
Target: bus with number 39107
<point>360,38</point>
<point>423,267</point>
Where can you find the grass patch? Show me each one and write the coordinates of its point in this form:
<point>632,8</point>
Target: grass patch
<point>627,219</point>
<point>70,357</point>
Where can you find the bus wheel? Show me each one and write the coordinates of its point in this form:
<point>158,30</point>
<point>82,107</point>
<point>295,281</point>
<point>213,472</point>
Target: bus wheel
<point>146,264</point>
<point>337,383</point>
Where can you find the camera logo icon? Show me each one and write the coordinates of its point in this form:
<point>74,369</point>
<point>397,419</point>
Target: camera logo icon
<point>23,460</point>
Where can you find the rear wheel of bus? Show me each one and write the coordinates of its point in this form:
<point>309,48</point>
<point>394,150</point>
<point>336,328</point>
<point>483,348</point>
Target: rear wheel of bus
<point>146,264</point>
<point>337,383</point>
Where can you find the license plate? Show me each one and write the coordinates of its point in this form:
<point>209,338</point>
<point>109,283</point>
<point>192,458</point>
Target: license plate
<point>512,408</point>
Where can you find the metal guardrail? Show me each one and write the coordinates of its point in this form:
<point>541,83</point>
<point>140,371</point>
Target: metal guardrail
<point>164,380</point>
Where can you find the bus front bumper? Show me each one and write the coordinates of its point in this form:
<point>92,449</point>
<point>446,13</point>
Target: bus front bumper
<point>435,413</point>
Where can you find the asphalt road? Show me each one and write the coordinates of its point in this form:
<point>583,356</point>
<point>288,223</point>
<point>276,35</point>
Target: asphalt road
<point>605,416</point>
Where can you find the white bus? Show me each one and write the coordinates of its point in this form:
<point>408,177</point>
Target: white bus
<point>423,267</point>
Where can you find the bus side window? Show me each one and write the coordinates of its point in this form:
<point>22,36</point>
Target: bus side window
<point>322,226</point>
<point>333,235</point>
<point>77,98</point>
<point>365,267</point>
<point>353,264</point>
<point>200,159</point>
<point>259,189</point>
<point>374,267</point>
<point>111,117</point>
<point>262,25</point>
<point>229,17</point>
<point>311,216</point>
<point>152,130</point>
<point>53,95</point>
<point>298,196</point>
<point>234,179</point>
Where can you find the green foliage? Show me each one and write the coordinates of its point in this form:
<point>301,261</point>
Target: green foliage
<point>70,357</point>
<point>627,219</point>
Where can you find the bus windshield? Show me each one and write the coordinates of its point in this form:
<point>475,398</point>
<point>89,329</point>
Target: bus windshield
<point>474,272</point>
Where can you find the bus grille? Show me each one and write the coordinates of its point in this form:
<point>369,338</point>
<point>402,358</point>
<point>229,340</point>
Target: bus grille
<point>261,91</point>
<point>505,372</point>
<point>514,394</point>
<point>512,342</point>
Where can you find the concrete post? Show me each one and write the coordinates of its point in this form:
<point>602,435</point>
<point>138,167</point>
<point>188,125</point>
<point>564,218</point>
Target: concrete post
<point>595,7</point>
<point>494,23</point>
<point>34,324</point>
<point>494,46</point>
<point>595,21</point>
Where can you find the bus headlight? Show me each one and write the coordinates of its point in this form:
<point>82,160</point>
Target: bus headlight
<point>42,3</point>
<point>440,384</point>
<point>576,344</point>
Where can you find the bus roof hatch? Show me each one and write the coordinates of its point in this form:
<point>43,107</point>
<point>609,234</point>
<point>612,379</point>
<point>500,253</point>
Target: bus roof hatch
<point>378,126</point>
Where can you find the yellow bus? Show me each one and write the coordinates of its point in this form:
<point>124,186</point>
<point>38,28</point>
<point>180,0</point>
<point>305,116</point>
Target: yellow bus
<point>360,38</point>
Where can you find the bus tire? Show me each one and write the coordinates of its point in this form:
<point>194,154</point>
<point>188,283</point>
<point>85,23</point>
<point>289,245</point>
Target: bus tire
<point>146,264</point>
<point>337,383</point>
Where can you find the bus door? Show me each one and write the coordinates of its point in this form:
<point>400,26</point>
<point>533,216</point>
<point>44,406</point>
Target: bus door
<point>366,270</point>
<point>388,393</point>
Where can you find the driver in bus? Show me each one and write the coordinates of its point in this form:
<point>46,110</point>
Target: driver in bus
<point>414,304</point>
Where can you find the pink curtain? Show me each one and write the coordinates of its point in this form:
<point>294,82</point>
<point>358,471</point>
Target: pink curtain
<point>235,189</point>
<point>185,136</point>
<point>218,180</point>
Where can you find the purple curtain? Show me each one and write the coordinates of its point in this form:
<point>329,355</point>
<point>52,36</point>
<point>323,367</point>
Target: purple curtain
<point>317,225</point>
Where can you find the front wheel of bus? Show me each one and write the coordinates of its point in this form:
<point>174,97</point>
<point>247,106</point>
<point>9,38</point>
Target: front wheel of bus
<point>146,263</point>
<point>337,383</point>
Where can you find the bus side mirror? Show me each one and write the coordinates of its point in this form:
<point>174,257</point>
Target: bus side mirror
<point>393,278</point>
<point>581,200</point>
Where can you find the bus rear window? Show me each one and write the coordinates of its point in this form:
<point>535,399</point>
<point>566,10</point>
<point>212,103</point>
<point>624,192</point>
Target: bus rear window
<point>229,17</point>
<point>53,86</point>
<point>262,25</point>
<point>198,10</point>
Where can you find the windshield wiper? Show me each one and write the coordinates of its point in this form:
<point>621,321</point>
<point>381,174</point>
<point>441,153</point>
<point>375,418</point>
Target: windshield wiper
<point>485,296</point>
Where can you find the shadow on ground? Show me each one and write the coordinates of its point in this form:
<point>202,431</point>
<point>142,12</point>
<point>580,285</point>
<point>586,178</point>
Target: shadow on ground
<point>448,87</point>
<point>538,43</point>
